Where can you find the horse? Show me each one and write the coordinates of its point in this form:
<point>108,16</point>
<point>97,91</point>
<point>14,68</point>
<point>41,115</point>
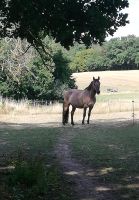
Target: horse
<point>80,99</point>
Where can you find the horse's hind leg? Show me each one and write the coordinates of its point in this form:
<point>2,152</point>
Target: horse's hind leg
<point>72,113</point>
<point>65,113</point>
<point>84,114</point>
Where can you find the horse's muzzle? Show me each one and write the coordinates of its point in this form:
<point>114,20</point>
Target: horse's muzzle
<point>98,92</point>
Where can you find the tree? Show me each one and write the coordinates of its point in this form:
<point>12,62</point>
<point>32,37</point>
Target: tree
<point>137,60</point>
<point>14,67</point>
<point>122,52</point>
<point>115,54</point>
<point>97,60</point>
<point>65,20</point>
<point>91,59</point>
<point>79,62</point>
<point>24,75</point>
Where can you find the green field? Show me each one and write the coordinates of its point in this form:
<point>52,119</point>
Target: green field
<point>109,150</point>
<point>36,175</point>
<point>113,155</point>
<point>118,96</point>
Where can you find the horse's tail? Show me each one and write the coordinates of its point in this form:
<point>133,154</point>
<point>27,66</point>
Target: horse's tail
<point>65,115</point>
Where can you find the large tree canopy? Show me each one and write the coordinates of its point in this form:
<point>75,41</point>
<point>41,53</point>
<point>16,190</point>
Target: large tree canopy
<point>66,20</point>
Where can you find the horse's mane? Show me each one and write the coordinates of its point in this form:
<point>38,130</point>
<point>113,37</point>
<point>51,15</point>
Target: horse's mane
<point>89,87</point>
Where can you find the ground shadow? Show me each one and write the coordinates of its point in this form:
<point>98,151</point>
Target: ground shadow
<point>89,181</point>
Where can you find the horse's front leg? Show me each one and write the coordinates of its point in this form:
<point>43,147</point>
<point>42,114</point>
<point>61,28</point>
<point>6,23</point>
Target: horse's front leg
<point>84,114</point>
<point>89,113</point>
<point>72,113</point>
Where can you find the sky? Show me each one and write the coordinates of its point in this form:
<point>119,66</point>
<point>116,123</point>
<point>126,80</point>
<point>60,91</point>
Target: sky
<point>133,16</point>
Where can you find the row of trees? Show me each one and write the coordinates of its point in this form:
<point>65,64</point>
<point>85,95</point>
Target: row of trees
<point>116,54</point>
<point>24,73</point>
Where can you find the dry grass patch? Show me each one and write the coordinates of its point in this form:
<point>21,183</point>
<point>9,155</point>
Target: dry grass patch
<point>124,81</point>
<point>107,102</point>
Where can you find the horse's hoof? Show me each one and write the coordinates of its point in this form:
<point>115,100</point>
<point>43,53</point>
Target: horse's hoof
<point>72,124</point>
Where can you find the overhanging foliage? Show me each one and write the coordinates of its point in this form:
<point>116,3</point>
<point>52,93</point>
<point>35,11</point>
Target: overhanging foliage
<point>65,20</point>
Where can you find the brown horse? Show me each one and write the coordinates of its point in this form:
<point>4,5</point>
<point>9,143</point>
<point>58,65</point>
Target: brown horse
<point>80,99</point>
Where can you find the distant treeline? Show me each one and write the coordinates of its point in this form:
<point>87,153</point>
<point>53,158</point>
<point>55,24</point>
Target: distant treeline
<point>116,54</point>
<point>26,73</point>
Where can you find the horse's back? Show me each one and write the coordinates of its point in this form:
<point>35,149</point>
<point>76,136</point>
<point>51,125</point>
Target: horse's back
<point>72,92</point>
<point>73,97</point>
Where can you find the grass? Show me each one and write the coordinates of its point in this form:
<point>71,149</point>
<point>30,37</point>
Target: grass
<point>22,107</point>
<point>110,151</point>
<point>124,81</point>
<point>113,155</point>
<point>35,173</point>
<point>104,104</point>
<point>118,97</point>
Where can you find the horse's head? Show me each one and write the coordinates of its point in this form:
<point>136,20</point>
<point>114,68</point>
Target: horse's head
<point>96,85</point>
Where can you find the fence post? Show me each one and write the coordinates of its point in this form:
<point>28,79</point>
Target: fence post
<point>133,112</point>
<point>109,106</point>
<point>119,105</point>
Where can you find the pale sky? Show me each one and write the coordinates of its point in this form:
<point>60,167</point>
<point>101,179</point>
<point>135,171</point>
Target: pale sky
<point>133,16</point>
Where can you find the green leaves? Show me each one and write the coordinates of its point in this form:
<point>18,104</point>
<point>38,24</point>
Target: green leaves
<point>123,52</point>
<point>63,20</point>
<point>116,54</point>
<point>27,76</point>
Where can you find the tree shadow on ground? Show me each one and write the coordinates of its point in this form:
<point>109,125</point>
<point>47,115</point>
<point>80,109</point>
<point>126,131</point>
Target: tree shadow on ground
<point>109,175</point>
<point>109,154</point>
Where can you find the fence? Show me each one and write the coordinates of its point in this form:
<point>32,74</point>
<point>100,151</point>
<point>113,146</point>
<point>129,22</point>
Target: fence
<point>51,110</point>
<point>120,106</point>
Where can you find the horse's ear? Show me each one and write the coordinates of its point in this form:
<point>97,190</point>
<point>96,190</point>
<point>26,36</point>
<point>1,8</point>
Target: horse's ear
<point>98,78</point>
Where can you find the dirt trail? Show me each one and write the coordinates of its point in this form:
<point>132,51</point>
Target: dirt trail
<point>84,180</point>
